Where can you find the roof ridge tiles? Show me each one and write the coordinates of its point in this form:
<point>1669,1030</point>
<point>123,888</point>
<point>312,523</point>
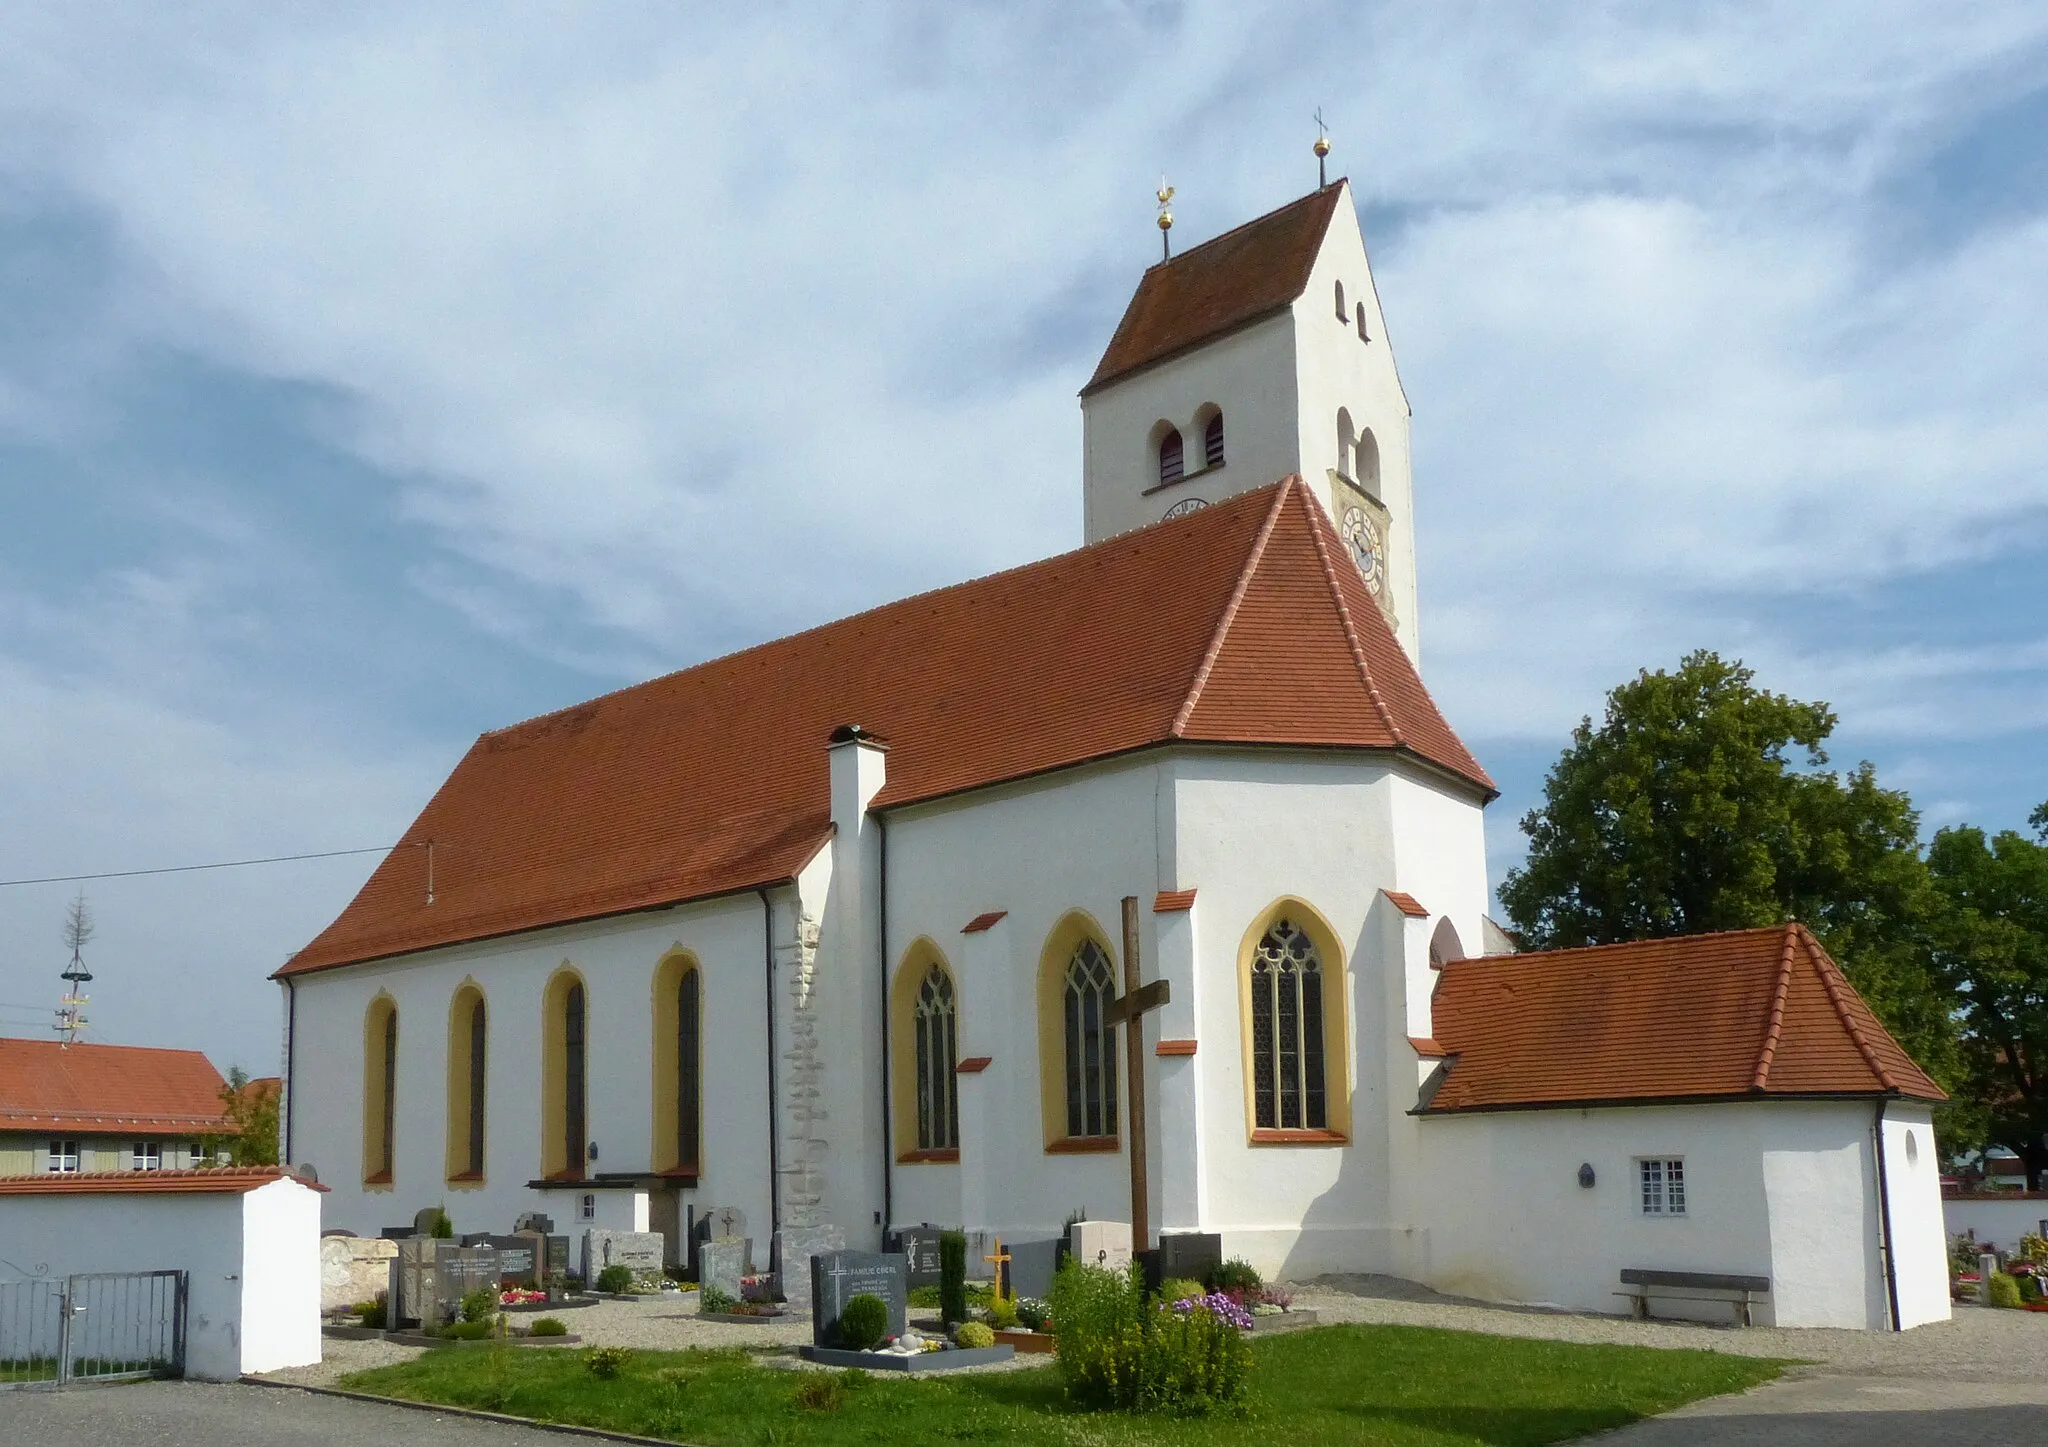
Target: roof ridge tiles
<point>1832,981</point>
<point>1769,1052</point>
<point>1230,607</point>
<point>1317,521</point>
<point>1222,236</point>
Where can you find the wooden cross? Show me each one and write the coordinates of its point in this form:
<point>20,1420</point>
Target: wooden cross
<point>1129,1010</point>
<point>1000,1260</point>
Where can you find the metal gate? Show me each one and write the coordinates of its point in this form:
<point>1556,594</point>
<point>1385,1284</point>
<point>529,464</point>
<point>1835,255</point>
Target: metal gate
<point>102,1327</point>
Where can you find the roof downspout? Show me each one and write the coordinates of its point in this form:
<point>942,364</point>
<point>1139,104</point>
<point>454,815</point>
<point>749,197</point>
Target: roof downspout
<point>774,1105</point>
<point>1884,1220</point>
<point>291,1040</point>
<point>882,909</point>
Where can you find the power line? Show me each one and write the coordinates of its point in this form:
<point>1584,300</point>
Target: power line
<point>189,868</point>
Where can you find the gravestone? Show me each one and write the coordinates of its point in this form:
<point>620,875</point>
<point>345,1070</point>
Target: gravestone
<point>414,1274</point>
<point>1192,1254</point>
<point>837,1277</point>
<point>720,1221</point>
<point>533,1221</point>
<point>721,1264</point>
<point>518,1259</point>
<point>425,1219</point>
<point>637,1251</point>
<point>1032,1266</point>
<point>790,1253</point>
<point>459,1270</point>
<point>1102,1243</point>
<point>919,1245</point>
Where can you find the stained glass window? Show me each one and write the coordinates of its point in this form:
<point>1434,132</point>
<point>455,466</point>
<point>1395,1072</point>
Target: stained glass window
<point>1091,1043</point>
<point>938,1097</point>
<point>1288,1091</point>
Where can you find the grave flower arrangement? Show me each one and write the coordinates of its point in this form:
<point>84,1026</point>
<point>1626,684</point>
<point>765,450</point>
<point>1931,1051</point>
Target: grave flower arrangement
<point>520,1296</point>
<point>1224,1308</point>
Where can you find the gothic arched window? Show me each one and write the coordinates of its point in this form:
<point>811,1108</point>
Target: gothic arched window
<point>380,1091</point>
<point>1090,986</point>
<point>576,1060</point>
<point>678,1093</point>
<point>1212,442</point>
<point>1172,465</point>
<point>468,1042</point>
<point>689,1074</point>
<point>565,1067</point>
<point>938,1096</point>
<point>1288,1086</point>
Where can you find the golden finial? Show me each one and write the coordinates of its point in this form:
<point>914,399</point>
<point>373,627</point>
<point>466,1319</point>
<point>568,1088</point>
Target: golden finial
<point>1165,194</point>
<point>1322,150</point>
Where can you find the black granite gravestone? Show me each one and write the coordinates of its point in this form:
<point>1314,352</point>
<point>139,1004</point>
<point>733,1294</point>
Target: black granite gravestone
<point>919,1246</point>
<point>837,1277</point>
<point>1032,1265</point>
<point>1190,1254</point>
<point>516,1263</point>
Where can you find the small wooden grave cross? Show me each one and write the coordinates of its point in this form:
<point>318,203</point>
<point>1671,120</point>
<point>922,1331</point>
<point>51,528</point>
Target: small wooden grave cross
<point>1000,1259</point>
<point>1129,1010</point>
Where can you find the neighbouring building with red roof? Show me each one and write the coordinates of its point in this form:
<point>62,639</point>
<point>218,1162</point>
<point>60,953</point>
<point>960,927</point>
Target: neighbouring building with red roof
<point>81,1108</point>
<point>941,912</point>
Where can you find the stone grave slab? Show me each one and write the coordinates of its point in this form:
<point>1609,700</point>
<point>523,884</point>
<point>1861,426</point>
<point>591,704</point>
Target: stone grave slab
<point>1032,1266</point>
<point>1102,1243</point>
<point>790,1255</point>
<point>638,1251</point>
<point>518,1259</point>
<point>1193,1254</point>
<point>945,1361</point>
<point>919,1245</point>
<point>839,1276</point>
<point>721,1264</point>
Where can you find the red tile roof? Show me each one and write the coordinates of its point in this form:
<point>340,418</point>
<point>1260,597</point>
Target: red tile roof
<point>129,1089</point>
<point>1238,624</point>
<point>1746,1014</point>
<point>1237,278</point>
<point>1408,904</point>
<point>210,1181</point>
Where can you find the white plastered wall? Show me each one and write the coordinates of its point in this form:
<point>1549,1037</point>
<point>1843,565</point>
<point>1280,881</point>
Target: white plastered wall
<point>1918,1232</point>
<point>252,1260</point>
<point>1781,1189</point>
<point>1997,1219</point>
<point>618,959</point>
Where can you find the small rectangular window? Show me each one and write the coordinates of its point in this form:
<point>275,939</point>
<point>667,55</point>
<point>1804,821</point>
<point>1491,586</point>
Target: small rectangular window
<point>63,1157</point>
<point>1663,1185</point>
<point>147,1156</point>
<point>589,1208</point>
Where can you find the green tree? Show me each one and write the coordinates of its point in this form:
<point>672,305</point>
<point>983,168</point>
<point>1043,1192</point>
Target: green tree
<point>1993,946</point>
<point>251,1110</point>
<point>1702,802</point>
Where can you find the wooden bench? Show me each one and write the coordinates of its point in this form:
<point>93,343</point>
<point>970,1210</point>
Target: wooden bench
<point>1737,1291</point>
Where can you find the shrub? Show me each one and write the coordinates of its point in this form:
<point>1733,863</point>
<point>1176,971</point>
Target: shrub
<point>1002,1313</point>
<point>820,1392</point>
<point>1117,1350</point>
<point>466,1330</point>
<point>615,1279</point>
<point>1235,1277</point>
<point>1032,1313</point>
<point>2005,1291</point>
<point>972,1334</point>
<point>604,1363</point>
<point>863,1322</point>
<point>376,1314</point>
<point>715,1299</point>
<point>547,1326</point>
<point>444,1229</point>
<point>1181,1288</point>
<point>2033,1247</point>
<point>480,1305</point>
<point>952,1276</point>
<point>1963,1251</point>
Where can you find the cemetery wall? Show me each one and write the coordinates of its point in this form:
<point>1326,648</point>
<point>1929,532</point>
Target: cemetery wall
<point>1783,1189</point>
<point>618,960</point>
<point>253,1259</point>
<point>1998,1218</point>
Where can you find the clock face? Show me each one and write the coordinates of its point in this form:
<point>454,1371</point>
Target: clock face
<point>1368,548</point>
<point>1182,508</point>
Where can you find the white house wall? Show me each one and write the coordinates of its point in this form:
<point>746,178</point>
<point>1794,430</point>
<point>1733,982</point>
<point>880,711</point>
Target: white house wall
<point>1773,1188</point>
<point>1919,1235</point>
<point>617,959</point>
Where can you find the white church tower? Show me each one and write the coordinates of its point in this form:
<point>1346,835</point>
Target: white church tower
<point>1255,355</point>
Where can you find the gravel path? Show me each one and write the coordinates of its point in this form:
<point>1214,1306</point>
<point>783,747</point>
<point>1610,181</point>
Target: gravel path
<point>1976,1345</point>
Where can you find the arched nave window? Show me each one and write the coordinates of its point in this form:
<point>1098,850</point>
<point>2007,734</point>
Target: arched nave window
<point>679,1067</point>
<point>1172,462</point>
<point>1086,993</point>
<point>468,1040</point>
<point>565,1041</point>
<point>1295,1035</point>
<point>924,1041</point>
<point>380,1091</point>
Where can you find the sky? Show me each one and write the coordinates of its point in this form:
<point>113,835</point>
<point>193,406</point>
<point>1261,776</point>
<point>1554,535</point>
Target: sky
<point>373,376</point>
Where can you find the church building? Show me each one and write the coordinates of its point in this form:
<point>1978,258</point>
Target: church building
<point>938,913</point>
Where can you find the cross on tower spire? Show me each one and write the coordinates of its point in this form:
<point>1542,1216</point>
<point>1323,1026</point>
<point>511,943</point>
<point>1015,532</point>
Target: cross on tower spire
<point>1322,151</point>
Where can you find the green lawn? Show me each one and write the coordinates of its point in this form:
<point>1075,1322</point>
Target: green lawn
<point>1342,1384</point>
